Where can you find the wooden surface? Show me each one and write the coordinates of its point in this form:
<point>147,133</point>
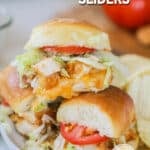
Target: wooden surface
<point>122,41</point>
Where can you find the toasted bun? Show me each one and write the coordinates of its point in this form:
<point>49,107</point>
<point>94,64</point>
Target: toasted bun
<point>110,111</point>
<point>68,32</point>
<point>17,98</point>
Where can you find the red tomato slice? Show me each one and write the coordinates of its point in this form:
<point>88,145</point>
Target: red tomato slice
<point>68,49</point>
<point>5,103</point>
<point>77,135</point>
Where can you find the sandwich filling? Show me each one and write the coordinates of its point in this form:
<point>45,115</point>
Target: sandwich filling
<point>65,75</point>
<point>38,130</point>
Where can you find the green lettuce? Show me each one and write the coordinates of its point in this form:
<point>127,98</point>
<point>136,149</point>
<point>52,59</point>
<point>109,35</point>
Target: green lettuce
<point>25,61</point>
<point>108,77</point>
<point>70,147</point>
<point>40,107</point>
<point>59,60</point>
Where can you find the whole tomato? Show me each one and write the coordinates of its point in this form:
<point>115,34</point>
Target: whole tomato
<point>133,15</point>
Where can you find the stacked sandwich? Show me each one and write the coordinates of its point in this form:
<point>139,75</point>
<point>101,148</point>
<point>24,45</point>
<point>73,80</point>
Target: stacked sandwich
<point>64,92</point>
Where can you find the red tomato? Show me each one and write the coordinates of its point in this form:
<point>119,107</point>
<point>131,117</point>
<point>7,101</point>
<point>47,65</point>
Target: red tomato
<point>133,15</point>
<point>5,103</point>
<point>79,135</point>
<point>68,49</point>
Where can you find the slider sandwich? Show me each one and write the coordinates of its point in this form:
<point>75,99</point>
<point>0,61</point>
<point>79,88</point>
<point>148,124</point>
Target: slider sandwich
<point>97,121</point>
<point>64,58</point>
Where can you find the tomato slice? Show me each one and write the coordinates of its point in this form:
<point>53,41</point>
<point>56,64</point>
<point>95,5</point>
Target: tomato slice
<point>5,103</point>
<point>68,49</point>
<point>79,135</point>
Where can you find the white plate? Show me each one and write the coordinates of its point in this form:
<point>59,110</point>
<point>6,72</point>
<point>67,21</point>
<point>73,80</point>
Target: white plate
<point>3,145</point>
<point>7,139</point>
<point>13,140</point>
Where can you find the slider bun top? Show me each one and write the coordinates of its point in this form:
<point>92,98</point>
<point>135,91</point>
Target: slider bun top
<point>110,112</point>
<point>68,32</point>
<point>18,99</point>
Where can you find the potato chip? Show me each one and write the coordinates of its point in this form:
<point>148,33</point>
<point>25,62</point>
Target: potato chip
<point>138,87</point>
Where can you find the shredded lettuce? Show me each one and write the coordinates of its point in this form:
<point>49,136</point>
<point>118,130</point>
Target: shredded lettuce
<point>40,107</point>
<point>32,145</point>
<point>64,73</point>
<point>108,77</point>
<point>59,60</point>
<point>47,146</point>
<point>48,66</point>
<point>90,60</point>
<point>105,61</point>
<point>108,58</point>
<point>70,147</point>
<point>36,139</point>
<point>25,61</point>
<point>119,71</point>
